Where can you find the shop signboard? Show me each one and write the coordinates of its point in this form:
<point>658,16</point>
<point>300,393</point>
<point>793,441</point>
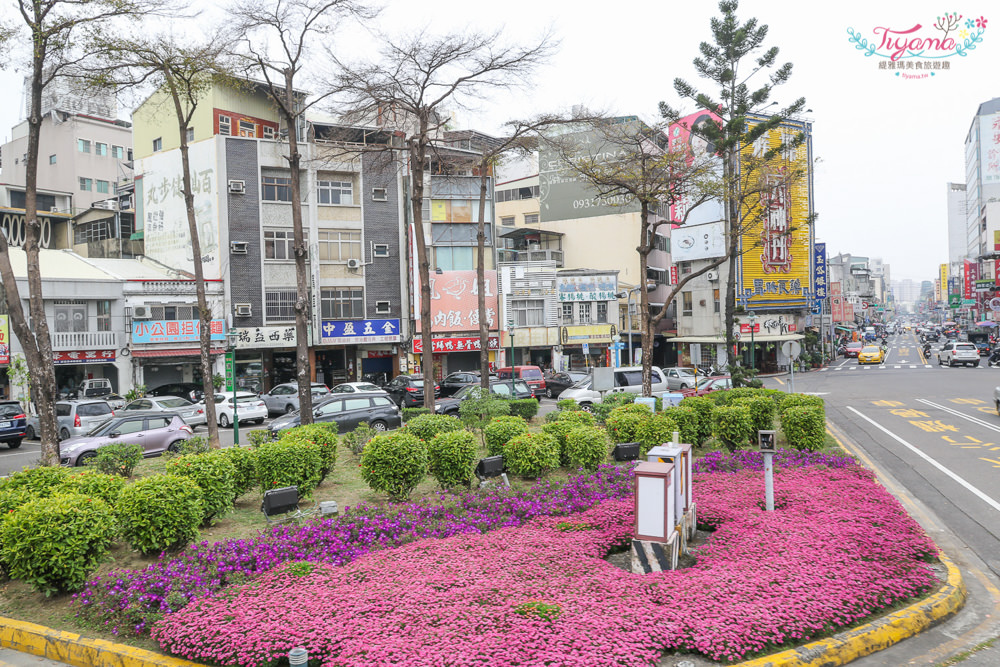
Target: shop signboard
<point>601,287</point>
<point>4,340</point>
<point>230,369</point>
<point>837,308</point>
<point>455,344</point>
<point>704,241</point>
<point>819,271</point>
<point>455,301</point>
<point>593,333</point>
<point>250,338</point>
<point>84,357</point>
<point>353,332</point>
<point>174,331</point>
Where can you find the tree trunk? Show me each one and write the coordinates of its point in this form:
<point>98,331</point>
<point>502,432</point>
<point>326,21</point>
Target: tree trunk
<point>484,325</point>
<point>732,228</point>
<point>645,334</point>
<point>418,152</point>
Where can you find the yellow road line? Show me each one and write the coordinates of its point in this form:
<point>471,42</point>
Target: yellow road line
<point>780,381</point>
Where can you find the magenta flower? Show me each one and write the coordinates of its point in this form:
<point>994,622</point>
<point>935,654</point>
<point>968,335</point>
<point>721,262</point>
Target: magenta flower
<point>981,22</point>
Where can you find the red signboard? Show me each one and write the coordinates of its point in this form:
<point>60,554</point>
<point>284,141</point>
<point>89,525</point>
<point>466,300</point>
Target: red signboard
<point>84,357</point>
<point>745,328</point>
<point>455,344</point>
<point>455,301</point>
<point>837,306</point>
<point>673,275</point>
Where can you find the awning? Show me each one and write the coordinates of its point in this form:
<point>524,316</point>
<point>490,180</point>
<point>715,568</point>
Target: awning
<point>845,328</point>
<point>183,352</point>
<point>744,338</point>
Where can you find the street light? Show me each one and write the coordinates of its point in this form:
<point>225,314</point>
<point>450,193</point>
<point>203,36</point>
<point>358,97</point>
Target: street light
<point>510,334</point>
<point>231,338</point>
<point>753,355</point>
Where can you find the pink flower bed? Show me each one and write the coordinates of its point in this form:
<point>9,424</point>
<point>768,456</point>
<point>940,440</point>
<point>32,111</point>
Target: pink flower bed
<point>838,549</point>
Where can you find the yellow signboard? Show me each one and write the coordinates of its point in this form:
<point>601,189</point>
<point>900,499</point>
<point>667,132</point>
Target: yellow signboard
<point>939,291</point>
<point>775,244</point>
<point>593,333</point>
<point>4,340</point>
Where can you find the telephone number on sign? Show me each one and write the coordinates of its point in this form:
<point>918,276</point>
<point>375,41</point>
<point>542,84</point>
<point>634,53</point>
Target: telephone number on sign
<point>614,200</point>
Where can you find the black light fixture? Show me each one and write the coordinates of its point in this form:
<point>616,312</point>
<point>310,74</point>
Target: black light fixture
<point>280,501</point>
<point>489,467</point>
<point>626,451</point>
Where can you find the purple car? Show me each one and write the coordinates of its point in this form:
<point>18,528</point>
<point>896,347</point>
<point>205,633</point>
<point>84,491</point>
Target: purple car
<point>154,433</point>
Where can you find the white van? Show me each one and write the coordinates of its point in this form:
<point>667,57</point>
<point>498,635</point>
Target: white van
<point>627,379</point>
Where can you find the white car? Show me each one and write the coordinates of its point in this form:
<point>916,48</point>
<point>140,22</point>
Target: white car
<point>284,398</point>
<point>358,388</point>
<point>249,407</point>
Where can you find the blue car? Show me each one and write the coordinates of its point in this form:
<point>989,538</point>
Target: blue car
<point>12,423</point>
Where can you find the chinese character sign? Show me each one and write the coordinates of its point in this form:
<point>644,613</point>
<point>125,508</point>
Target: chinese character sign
<point>174,331</point>
<point>943,279</point>
<point>257,337</point>
<point>587,288</point>
<point>345,332</point>
<point>4,340</point>
<point>819,271</point>
<point>455,344</point>
<point>455,301</point>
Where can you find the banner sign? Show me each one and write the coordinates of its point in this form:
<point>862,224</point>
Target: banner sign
<point>256,337</point>
<point>174,331</point>
<point>943,277</point>
<point>745,328</point>
<point>455,301</point>
<point>819,271</point>
<point>587,288</point>
<point>351,332</point>
<point>984,285</point>
<point>455,344</point>
<point>837,308</point>
<point>84,357</point>
<point>969,275</point>
<point>4,340</point>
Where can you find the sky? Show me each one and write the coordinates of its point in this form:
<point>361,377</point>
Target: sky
<point>886,145</point>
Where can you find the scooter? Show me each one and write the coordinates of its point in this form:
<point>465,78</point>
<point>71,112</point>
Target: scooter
<point>927,350</point>
<point>994,359</point>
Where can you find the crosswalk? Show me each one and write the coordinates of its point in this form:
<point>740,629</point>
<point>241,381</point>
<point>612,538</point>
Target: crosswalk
<point>868,367</point>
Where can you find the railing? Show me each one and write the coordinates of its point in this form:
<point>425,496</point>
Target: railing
<point>85,340</point>
<point>509,255</point>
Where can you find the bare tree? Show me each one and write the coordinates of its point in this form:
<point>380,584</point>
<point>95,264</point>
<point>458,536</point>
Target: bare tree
<point>182,74</point>
<point>294,27</point>
<point>409,88</point>
<point>59,38</point>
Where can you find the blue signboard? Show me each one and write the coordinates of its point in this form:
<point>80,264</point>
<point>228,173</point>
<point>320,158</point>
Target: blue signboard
<point>359,331</point>
<point>819,271</point>
<point>174,331</point>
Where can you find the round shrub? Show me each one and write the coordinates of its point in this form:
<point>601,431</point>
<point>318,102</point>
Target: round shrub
<point>607,405</point>
<point>38,481</point>
<point>623,422</point>
<point>452,458</point>
<point>531,454</point>
<point>526,408</point>
<point>653,431</point>
<point>804,427</point>
<point>244,460</point>
<point>559,429</point>
<point>215,475</point>
<point>702,406</point>
<point>587,447</point>
<point>54,544</point>
<point>500,430</point>
<point>732,425</point>
<point>686,420</point>
<point>293,463</point>
<point>761,411</point>
<point>568,405</point>
<point>120,458</point>
<point>800,400</point>
<point>394,463</point>
<point>425,427</point>
<point>358,438</point>
<point>94,484</point>
<point>322,436</point>
<point>160,513</point>
<point>578,417</point>
<point>258,437</point>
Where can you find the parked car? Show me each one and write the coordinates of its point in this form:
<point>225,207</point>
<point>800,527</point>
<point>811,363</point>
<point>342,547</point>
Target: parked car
<point>192,413</point>
<point>94,388</point>
<point>530,374</point>
<point>74,418</point>
<point>155,434</point>
<point>984,347</point>
<point>116,401</point>
<point>377,410</point>
<point>557,383</point>
<point>456,381</point>
<point>249,408</point>
<point>627,379</point>
<point>871,354</point>
<point>954,352</point>
<point>192,391</point>
<point>357,388</point>
<point>708,384</point>
<point>451,404</point>
<point>408,390</point>
<point>680,378</point>
<point>13,423</point>
<point>284,398</point>
<point>853,349</point>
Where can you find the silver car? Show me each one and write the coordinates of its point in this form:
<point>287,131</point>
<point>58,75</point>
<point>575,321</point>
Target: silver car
<point>74,418</point>
<point>192,414</point>
<point>284,398</point>
<point>680,378</point>
<point>955,352</point>
<point>155,434</point>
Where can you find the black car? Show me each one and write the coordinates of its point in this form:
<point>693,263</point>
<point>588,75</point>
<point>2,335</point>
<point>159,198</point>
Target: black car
<point>12,423</point>
<point>555,383</point>
<point>348,412</point>
<point>501,388</point>
<point>192,391</point>
<point>459,380</point>
<point>408,390</point>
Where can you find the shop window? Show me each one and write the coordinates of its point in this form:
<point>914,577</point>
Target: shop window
<point>528,312</point>
<point>276,188</point>
<point>280,244</point>
<point>342,304</point>
<point>225,125</point>
<point>335,192</point>
<point>339,245</point>
<point>687,303</point>
<point>602,312</point>
<point>279,305</point>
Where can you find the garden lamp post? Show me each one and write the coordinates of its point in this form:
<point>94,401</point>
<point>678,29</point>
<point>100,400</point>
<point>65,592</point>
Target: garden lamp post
<point>753,352</point>
<point>231,338</point>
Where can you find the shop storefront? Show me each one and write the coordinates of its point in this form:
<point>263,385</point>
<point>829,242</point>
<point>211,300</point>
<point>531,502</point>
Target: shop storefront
<point>351,350</point>
<point>455,353</point>
<point>534,346</point>
<point>584,347</point>
<point>167,351</point>
<point>265,357</point>
<point>73,367</point>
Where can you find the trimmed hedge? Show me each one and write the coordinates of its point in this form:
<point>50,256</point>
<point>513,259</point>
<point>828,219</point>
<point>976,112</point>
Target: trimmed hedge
<point>586,447</point>
<point>623,422</point>
<point>578,417</point>
<point>94,484</point>
<point>804,427</point>
<point>215,475</point>
<point>608,404</point>
<point>500,431</point>
<point>525,408</point>
<point>118,459</point>
<point>703,407</point>
<point>686,418</point>
<point>732,425</point>
<point>160,513</point>
<point>323,436</point>
<point>568,405</point>
<point>358,438</point>
<point>762,410</point>
<point>452,458</point>
<point>799,401</point>
<point>427,426</point>
<point>656,430</point>
<point>293,463</point>
<point>37,482</point>
<point>245,463</point>
<point>410,413</point>
<point>394,463</point>
<point>531,454</point>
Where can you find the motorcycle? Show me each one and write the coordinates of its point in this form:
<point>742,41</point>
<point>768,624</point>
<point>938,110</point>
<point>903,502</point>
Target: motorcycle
<point>994,359</point>
<point>927,350</point>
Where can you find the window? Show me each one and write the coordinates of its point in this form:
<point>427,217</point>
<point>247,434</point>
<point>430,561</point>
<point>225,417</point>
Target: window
<point>268,132</point>
<point>88,232</point>
<point>686,303</point>
<point>157,144</point>
<point>685,267</point>
<point>104,316</point>
<point>335,192</point>
<point>454,259</point>
<point>383,307</point>
<point>83,145</point>
<point>86,184</point>
<point>528,312</point>
<point>248,129</point>
<point>225,125</point>
<point>567,313</point>
<point>101,149</point>
<point>585,317</point>
<point>342,304</point>
<point>52,159</point>
<point>507,221</point>
<point>102,187</point>
<point>118,152</point>
<point>71,316</point>
<point>602,312</point>
<point>715,297</point>
<point>661,242</point>
<point>281,244</point>
<point>380,249</point>
<point>339,245</point>
<point>190,134</point>
<point>380,194</point>
<point>531,218</point>
<point>279,305</point>
<point>453,233</point>
<point>277,188</point>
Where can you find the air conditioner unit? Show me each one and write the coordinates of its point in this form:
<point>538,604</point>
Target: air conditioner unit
<point>354,263</point>
<point>244,310</point>
<point>141,313</point>
<point>712,275</point>
<point>238,247</point>
<point>54,209</point>
<point>237,187</point>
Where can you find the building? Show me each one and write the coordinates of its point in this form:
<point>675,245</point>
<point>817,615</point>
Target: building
<point>977,270</point>
<point>958,239</point>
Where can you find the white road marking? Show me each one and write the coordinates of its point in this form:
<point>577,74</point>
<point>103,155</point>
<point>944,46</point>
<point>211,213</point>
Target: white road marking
<point>896,367</point>
<point>957,413</point>
<point>976,492</point>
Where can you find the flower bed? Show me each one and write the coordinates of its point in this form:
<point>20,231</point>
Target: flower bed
<point>838,549</point>
<point>748,459</point>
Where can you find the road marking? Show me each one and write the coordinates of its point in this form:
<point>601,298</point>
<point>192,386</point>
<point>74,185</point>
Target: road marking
<point>823,369</point>
<point>779,380</point>
<point>974,420</point>
<point>969,487</point>
<point>896,366</point>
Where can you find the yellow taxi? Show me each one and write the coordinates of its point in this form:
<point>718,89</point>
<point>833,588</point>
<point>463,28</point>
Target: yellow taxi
<point>871,354</point>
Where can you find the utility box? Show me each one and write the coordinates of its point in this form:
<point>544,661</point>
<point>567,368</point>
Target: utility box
<point>671,400</point>
<point>648,401</point>
<point>654,501</point>
<point>602,379</point>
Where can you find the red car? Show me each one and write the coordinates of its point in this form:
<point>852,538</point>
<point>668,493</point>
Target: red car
<point>853,349</point>
<point>707,385</point>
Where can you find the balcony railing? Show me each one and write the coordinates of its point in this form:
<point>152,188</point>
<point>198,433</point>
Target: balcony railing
<point>84,340</point>
<point>509,255</point>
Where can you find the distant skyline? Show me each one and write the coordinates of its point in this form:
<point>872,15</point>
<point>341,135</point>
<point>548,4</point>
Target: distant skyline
<point>887,145</point>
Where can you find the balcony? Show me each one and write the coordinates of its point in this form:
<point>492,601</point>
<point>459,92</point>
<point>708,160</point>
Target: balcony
<point>84,340</point>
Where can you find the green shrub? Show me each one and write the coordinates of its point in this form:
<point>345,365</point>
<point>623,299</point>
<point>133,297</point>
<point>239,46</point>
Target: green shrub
<point>11,499</point>
<point>568,405</point>
<point>55,544</point>
<point>452,458</point>
<point>410,413</point>
<point>160,513</point>
<point>623,422</point>
<point>531,454</point>
<point>500,430</point>
<point>559,429</point>
<point>38,481</point>
<point>426,427</point>
<point>479,409</point>
<point>553,416</point>
<point>686,419</point>
<point>702,406</point>
<point>804,427</point>
<point>358,438</point>
<point>244,460</point>
<point>732,425</point>
<point>607,405</point>
<point>294,463</point>
<point>215,475</point>
<point>761,411</point>
<point>195,444</point>
<point>118,459</point>
<point>94,484</point>
<point>259,436</point>
<point>524,407</point>
<point>799,401</point>
<point>394,463</point>
<point>578,417</point>
<point>323,436</point>
<point>586,447</point>
<point>653,431</point>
